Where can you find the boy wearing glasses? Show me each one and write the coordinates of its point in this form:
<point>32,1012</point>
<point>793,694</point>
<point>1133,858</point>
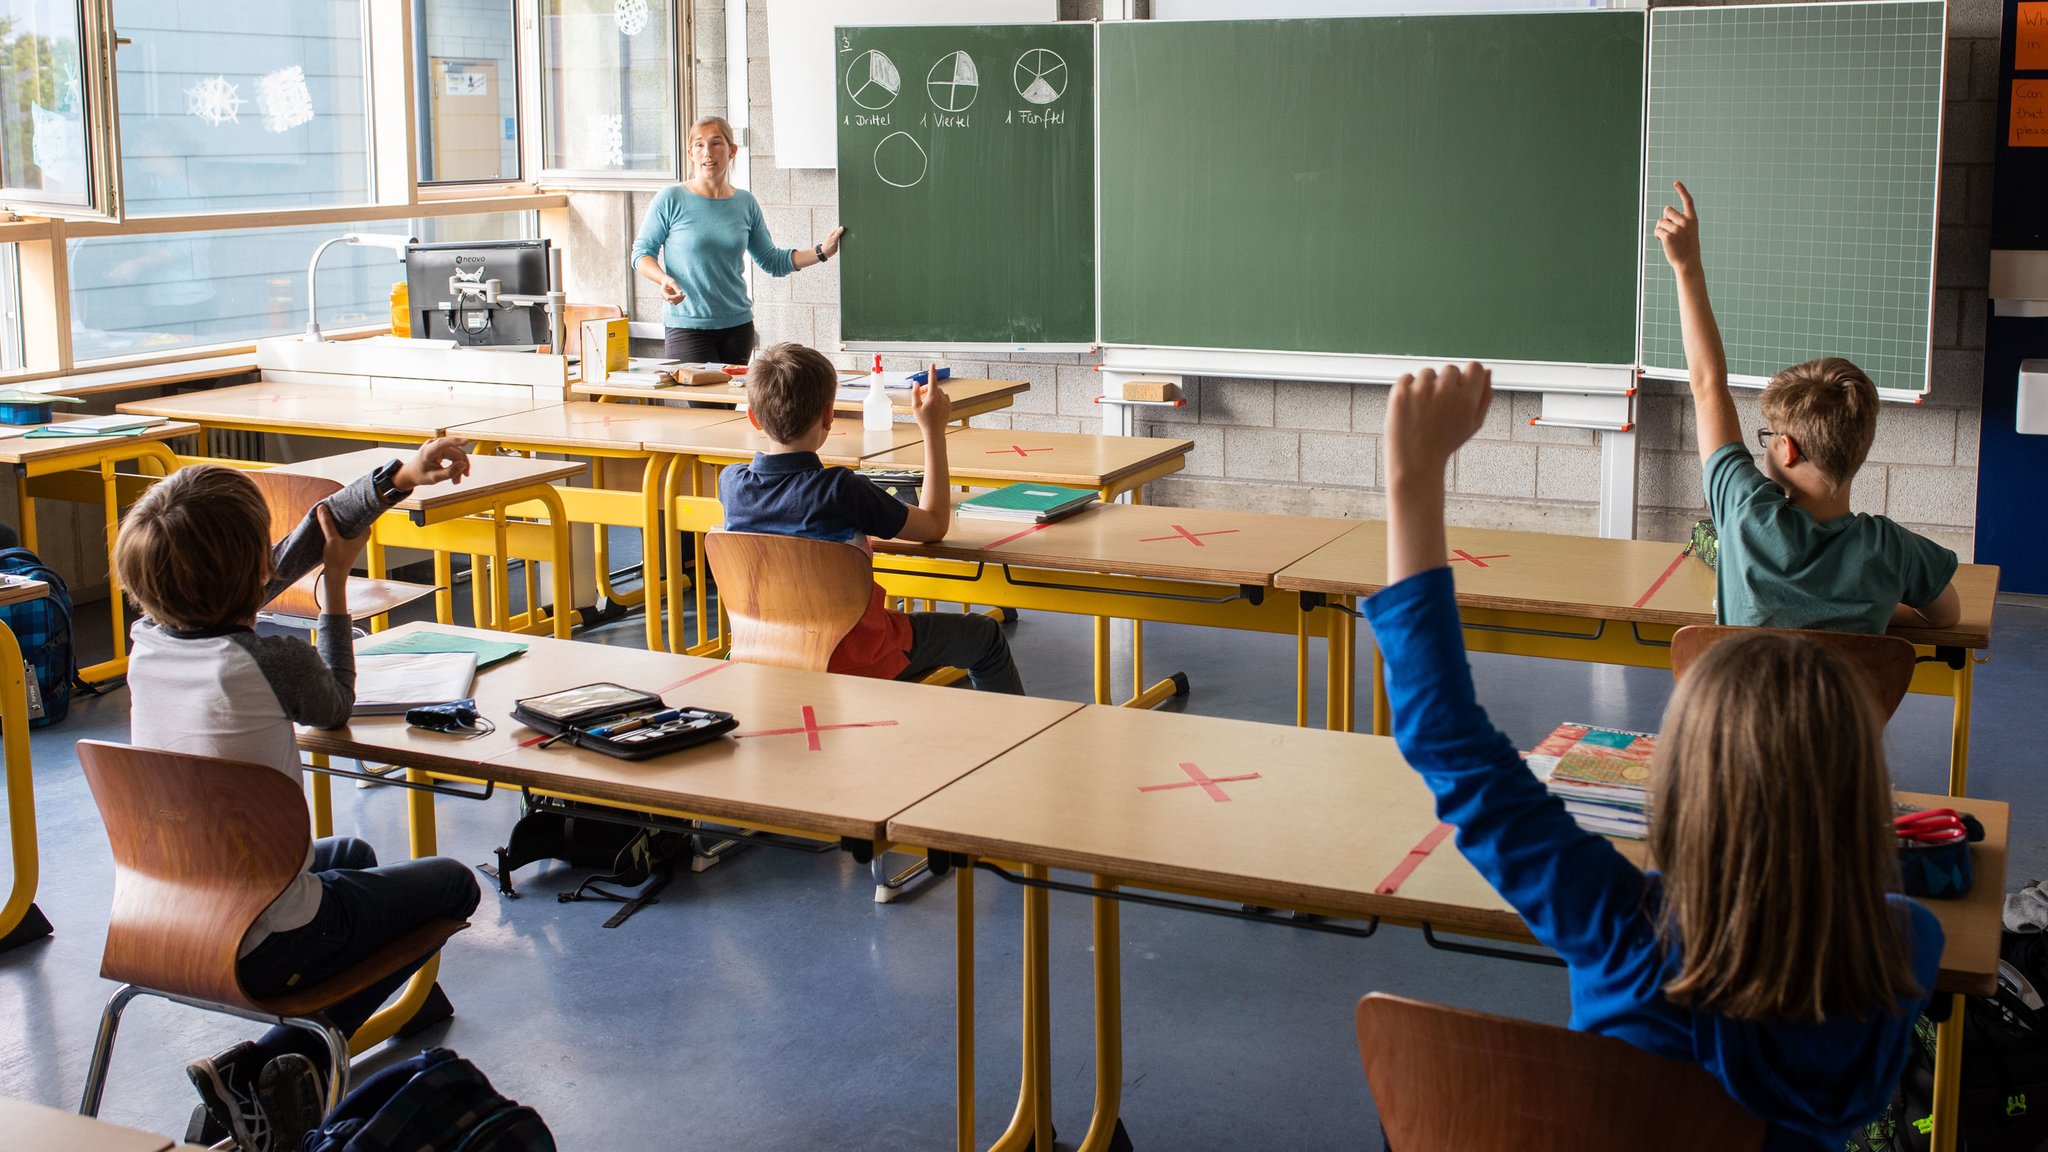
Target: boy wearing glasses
<point>1792,553</point>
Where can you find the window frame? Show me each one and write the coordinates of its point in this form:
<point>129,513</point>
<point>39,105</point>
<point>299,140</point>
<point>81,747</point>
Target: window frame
<point>522,106</point>
<point>97,42</point>
<point>682,93</point>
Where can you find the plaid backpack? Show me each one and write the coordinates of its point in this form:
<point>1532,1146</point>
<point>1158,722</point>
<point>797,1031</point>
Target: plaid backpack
<point>43,629</point>
<point>436,1100</point>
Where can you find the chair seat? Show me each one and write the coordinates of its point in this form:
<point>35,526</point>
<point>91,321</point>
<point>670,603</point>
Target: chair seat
<point>367,597</point>
<point>419,942</point>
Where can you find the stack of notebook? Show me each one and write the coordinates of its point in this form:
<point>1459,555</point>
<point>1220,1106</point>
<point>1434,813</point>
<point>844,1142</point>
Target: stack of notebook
<point>1027,503</point>
<point>119,424</point>
<point>1601,774</point>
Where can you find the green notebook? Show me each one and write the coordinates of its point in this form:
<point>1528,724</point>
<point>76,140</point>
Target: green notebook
<point>1032,503</point>
<point>488,652</point>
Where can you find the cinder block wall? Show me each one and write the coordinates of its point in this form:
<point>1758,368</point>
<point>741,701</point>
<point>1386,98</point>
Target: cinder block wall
<point>1314,448</point>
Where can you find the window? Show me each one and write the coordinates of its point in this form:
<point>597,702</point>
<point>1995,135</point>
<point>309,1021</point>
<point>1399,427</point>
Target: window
<point>611,92</point>
<point>139,295</point>
<point>241,104</point>
<point>10,310</point>
<point>54,99</point>
<point>468,105</point>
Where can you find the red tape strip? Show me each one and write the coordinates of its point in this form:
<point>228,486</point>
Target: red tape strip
<point>1675,562</point>
<point>1412,860</point>
<point>1015,536</point>
<point>693,677</point>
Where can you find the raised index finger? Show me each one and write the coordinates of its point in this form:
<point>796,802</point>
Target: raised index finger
<point>1684,197</point>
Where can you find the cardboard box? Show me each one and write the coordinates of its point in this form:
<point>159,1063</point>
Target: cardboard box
<point>604,349</point>
<point>1153,390</point>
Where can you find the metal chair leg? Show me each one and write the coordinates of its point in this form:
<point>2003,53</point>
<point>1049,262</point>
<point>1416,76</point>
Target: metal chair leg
<point>887,887</point>
<point>337,1058</point>
<point>103,1049</point>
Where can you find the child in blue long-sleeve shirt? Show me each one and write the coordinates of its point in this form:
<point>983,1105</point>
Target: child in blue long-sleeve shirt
<point>1771,947</point>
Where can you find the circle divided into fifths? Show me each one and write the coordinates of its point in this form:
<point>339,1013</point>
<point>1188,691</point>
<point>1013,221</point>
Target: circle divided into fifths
<point>954,82</point>
<point>1041,76</point>
<point>873,82</point>
<point>900,160</point>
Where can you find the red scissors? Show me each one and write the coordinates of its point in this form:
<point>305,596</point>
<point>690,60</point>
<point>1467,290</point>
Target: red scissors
<point>1931,826</point>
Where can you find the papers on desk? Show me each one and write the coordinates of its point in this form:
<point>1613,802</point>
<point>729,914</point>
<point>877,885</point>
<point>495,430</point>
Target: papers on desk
<point>488,652</point>
<point>1601,774</point>
<point>393,682</point>
<point>118,424</point>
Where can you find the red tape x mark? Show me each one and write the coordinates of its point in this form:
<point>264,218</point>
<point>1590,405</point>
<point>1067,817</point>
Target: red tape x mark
<point>1202,780</point>
<point>1476,561</point>
<point>1019,449</point>
<point>811,728</point>
<point>1181,533</point>
<point>1673,567</point>
<point>1412,860</point>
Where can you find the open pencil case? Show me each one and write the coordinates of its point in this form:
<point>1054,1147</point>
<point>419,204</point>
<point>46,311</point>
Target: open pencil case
<point>1934,850</point>
<point>621,721</point>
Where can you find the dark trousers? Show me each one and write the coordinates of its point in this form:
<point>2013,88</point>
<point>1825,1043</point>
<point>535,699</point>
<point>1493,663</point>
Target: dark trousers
<point>363,905</point>
<point>709,345</point>
<point>963,640</point>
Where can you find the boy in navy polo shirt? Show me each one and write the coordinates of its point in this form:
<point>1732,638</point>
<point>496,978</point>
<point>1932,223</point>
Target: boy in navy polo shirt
<point>790,390</point>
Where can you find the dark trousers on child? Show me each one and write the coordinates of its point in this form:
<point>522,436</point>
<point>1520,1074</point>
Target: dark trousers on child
<point>363,905</point>
<point>967,640</point>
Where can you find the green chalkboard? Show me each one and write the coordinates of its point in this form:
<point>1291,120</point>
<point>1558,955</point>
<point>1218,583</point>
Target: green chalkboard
<point>967,183</point>
<point>1435,186</point>
<point>1809,136</point>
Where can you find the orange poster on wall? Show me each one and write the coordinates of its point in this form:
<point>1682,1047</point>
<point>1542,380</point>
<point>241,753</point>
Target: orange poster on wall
<point>2029,125</point>
<point>2030,37</point>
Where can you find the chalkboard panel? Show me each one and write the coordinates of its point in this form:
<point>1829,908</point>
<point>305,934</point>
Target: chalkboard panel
<point>1810,136</point>
<point>1433,186</point>
<point>966,184</point>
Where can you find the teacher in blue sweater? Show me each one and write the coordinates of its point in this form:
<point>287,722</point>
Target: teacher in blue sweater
<point>692,243</point>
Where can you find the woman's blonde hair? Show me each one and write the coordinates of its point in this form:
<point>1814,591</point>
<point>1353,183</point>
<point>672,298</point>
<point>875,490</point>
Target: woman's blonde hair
<point>1771,823</point>
<point>194,552</point>
<point>723,125</point>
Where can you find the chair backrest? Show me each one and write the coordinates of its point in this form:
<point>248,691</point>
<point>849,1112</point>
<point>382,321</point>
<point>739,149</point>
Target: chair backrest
<point>201,848</point>
<point>1450,1080</point>
<point>791,599</point>
<point>1885,661</point>
<point>573,316</point>
<point>289,499</point>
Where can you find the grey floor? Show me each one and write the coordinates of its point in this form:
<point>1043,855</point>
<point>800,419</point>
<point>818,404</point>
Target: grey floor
<point>770,1003</point>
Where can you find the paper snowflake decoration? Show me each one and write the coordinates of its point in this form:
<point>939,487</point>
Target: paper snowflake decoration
<point>631,16</point>
<point>214,101</point>
<point>284,99</point>
<point>608,136</point>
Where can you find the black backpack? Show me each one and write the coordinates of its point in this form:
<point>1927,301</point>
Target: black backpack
<point>435,1100</point>
<point>43,629</point>
<point>630,852</point>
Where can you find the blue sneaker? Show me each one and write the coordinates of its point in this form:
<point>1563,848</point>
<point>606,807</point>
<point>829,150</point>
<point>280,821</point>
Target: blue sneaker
<point>227,1085</point>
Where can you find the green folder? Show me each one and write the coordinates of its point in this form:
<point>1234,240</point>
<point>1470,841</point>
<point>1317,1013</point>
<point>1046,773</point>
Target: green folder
<point>1030,502</point>
<point>488,652</point>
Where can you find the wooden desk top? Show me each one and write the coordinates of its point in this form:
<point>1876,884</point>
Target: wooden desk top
<point>16,589</point>
<point>1074,458</point>
<point>16,448</point>
<point>880,745</point>
<point>488,475</point>
<point>1316,820</point>
<point>1140,540</point>
<point>846,445</point>
<point>590,425</point>
<point>53,1130</point>
<point>1641,580</point>
<point>401,412</point>
<point>962,392</point>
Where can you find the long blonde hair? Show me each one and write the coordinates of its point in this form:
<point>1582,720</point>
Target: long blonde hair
<point>1771,824</point>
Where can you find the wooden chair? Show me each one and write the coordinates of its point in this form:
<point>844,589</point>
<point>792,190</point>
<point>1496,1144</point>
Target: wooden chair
<point>791,599</point>
<point>290,498</point>
<point>201,848</point>
<point>1450,1080</point>
<point>1886,661</point>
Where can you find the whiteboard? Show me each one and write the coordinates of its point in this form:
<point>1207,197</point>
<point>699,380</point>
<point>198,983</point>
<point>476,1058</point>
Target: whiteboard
<point>802,72</point>
<point>1291,9</point>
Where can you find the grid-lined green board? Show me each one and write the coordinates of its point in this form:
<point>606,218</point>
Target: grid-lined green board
<point>1444,186</point>
<point>1809,137</point>
<point>967,183</point>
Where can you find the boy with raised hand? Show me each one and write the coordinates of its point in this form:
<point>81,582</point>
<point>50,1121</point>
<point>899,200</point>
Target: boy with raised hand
<point>1792,553</point>
<point>788,491</point>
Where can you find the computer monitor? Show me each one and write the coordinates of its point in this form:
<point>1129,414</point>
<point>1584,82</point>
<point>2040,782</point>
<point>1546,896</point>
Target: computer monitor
<point>519,266</point>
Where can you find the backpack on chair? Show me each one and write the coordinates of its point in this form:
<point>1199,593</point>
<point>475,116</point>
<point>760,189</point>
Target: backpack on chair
<point>434,1100</point>
<point>43,629</point>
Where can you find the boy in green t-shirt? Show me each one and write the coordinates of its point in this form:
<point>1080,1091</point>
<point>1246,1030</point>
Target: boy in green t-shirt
<point>1792,554</point>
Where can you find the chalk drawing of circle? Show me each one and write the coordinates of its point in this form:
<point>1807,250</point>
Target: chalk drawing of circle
<point>873,81</point>
<point>900,160</point>
<point>1040,76</point>
<point>953,83</point>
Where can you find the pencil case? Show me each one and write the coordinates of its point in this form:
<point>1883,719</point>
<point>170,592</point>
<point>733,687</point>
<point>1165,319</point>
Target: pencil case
<point>620,721</point>
<point>1934,850</point>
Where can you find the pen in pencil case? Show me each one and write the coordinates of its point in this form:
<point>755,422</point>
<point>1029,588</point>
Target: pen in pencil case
<point>631,723</point>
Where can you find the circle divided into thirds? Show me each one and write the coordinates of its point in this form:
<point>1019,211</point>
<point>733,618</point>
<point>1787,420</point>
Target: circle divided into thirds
<point>1041,75</point>
<point>900,160</point>
<point>954,82</point>
<point>873,82</point>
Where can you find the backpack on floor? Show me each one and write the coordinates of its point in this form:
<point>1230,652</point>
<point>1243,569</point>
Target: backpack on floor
<point>620,843</point>
<point>43,629</point>
<point>435,1100</point>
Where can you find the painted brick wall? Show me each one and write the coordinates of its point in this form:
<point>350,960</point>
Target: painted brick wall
<point>1314,448</point>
